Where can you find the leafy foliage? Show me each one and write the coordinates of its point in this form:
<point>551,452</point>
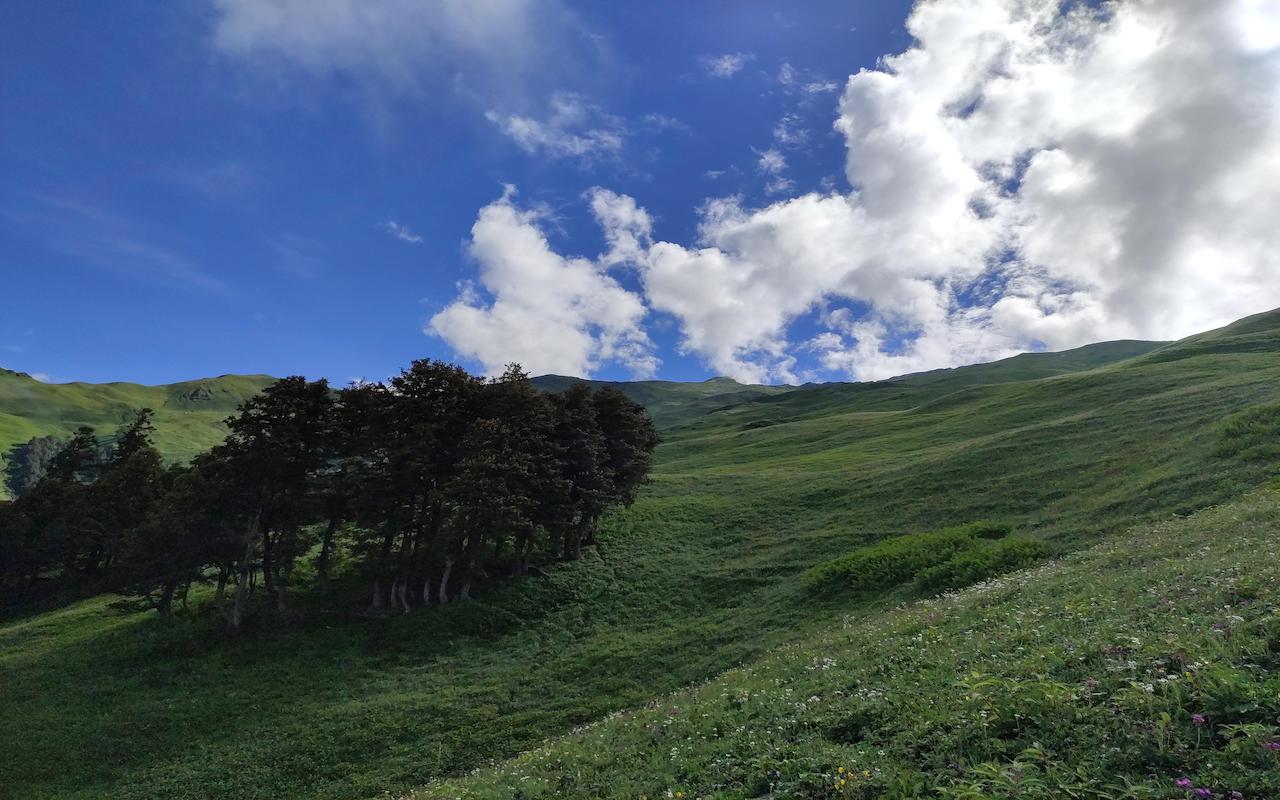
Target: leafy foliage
<point>980,561</point>
<point>1252,434</point>
<point>901,558</point>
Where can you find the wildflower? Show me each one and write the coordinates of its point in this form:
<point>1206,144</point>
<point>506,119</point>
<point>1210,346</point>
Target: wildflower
<point>1272,746</point>
<point>1203,792</point>
<point>840,770</point>
<point>1197,720</point>
<point>1237,796</point>
<point>1183,783</point>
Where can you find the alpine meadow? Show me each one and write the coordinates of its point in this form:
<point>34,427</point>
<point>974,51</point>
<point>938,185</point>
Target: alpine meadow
<point>698,609</point>
<point>563,400</point>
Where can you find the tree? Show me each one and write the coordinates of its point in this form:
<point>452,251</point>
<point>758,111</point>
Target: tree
<point>276,443</point>
<point>27,463</point>
<point>629,442</point>
<point>127,488</point>
<point>579,446</point>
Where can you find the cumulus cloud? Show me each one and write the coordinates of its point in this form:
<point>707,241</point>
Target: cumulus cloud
<point>549,312</point>
<point>572,129</point>
<point>724,66</point>
<point>1028,174</point>
<point>402,232</point>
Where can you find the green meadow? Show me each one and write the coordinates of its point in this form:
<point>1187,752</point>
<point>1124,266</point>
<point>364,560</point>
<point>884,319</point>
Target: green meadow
<point>689,657</point>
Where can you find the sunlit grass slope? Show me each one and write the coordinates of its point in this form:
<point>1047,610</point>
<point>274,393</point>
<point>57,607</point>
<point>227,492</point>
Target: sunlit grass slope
<point>188,415</point>
<point>703,574</point>
<point>672,402</point>
<point>1145,667</point>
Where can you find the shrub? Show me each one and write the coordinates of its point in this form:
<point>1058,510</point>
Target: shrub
<point>1252,434</point>
<point>980,561</point>
<point>899,559</point>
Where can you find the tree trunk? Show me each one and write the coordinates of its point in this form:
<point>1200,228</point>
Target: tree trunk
<point>579,532</point>
<point>376,602</point>
<point>268,562</point>
<point>444,580</point>
<point>246,570</point>
<point>426,591</point>
<point>322,564</point>
<point>522,540</point>
<point>220,593</point>
<point>465,592</point>
<point>165,606</point>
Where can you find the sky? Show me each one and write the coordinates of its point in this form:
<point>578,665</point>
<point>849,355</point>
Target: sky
<point>773,191</point>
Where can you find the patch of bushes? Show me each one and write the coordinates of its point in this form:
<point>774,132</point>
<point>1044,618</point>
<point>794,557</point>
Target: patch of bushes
<point>980,561</point>
<point>901,558</point>
<point>1252,434</point>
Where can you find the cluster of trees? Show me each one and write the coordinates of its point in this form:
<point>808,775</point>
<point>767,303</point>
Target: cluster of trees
<point>424,484</point>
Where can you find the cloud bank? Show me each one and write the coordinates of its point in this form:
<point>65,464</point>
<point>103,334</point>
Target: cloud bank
<point>1028,174</point>
<point>550,313</point>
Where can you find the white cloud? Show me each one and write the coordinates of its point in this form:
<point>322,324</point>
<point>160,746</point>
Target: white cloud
<point>820,87</point>
<point>548,312</point>
<point>42,377</point>
<point>489,46</point>
<point>788,132</point>
<point>402,232</point>
<point>1021,177</point>
<point>664,122</point>
<point>572,129</point>
<point>725,66</point>
<point>90,235</point>
<point>772,162</point>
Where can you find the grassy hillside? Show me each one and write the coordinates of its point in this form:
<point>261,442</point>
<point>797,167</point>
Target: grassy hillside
<point>703,574</point>
<point>671,402</point>
<point>1117,672</point>
<point>188,415</point>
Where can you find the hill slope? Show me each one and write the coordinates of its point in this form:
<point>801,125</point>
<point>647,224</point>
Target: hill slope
<point>700,576</point>
<point>1115,672</point>
<point>188,415</point>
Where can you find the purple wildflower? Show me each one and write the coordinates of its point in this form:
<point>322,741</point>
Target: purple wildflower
<point>1183,783</point>
<point>1202,792</point>
<point>1237,796</point>
<point>1273,746</point>
<point>1197,720</point>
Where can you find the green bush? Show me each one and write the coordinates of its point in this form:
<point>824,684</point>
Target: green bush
<point>980,561</point>
<point>1252,434</point>
<point>899,559</point>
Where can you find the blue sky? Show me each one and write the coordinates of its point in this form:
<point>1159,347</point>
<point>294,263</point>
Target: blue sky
<point>201,188</point>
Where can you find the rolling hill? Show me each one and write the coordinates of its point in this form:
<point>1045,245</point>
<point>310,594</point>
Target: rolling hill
<point>692,648</point>
<point>188,415</point>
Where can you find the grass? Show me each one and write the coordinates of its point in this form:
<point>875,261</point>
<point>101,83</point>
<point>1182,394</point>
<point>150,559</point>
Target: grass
<point>702,575</point>
<point>1145,667</point>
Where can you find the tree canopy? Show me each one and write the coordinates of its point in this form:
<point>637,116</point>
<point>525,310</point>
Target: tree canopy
<point>422,487</point>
